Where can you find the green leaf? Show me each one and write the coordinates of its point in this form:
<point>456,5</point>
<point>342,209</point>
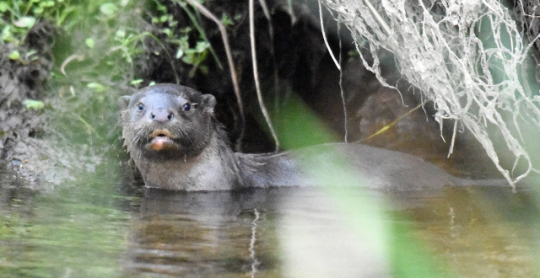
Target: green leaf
<point>226,20</point>
<point>33,104</point>
<point>15,55</point>
<point>4,6</point>
<point>120,34</point>
<point>96,86</point>
<point>203,69</point>
<point>6,34</point>
<point>108,9</point>
<point>30,55</point>
<point>188,59</point>
<point>136,81</point>
<point>167,31</point>
<point>179,53</point>
<point>90,42</point>
<point>38,10</point>
<point>25,22</point>
<point>202,46</point>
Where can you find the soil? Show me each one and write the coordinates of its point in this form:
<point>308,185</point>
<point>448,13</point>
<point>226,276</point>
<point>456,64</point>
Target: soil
<point>21,80</point>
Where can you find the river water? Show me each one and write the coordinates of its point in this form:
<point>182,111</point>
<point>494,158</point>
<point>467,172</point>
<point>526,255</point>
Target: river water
<point>92,227</point>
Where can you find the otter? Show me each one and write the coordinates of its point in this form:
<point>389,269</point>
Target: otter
<point>176,142</point>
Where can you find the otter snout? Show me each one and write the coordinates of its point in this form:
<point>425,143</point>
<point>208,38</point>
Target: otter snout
<point>161,115</point>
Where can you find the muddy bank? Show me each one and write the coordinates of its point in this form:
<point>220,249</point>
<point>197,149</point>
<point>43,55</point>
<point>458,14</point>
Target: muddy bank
<point>22,79</point>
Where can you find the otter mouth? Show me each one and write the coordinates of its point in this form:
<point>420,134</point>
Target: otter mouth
<point>161,139</point>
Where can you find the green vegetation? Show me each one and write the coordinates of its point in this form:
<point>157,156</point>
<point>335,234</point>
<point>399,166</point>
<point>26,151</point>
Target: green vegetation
<point>99,47</point>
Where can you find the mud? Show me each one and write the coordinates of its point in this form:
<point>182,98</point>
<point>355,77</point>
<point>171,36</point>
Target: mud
<point>21,80</point>
<point>25,146</point>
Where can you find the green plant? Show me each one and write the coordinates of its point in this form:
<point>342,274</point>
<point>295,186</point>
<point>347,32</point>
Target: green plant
<point>191,42</point>
<point>19,16</point>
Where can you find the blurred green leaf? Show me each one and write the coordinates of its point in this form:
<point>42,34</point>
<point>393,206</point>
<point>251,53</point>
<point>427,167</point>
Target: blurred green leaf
<point>120,34</point>
<point>226,20</point>
<point>90,42</point>
<point>136,81</point>
<point>6,34</point>
<point>179,53</point>
<point>188,59</point>
<point>108,9</point>
<point>15,55</point>
<point>47,4</point>
<point>167,31</point>
<point>202,46</point>
<point>33,104</point>
<point>38,10</point>
<point>25,22</point>
<point>3,6</point>
<point>96,87</point>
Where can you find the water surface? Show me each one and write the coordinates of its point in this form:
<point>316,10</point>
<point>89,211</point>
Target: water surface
<point>93,229</point>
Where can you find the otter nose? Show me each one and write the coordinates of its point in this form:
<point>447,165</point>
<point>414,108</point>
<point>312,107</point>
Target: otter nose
<point>161,115</point>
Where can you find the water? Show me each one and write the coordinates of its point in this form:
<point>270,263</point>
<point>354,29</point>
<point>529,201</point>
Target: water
<point>93,229</point>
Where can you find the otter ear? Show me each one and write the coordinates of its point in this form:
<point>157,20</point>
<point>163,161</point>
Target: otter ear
<point>123,102</point>
<point>208,103</point>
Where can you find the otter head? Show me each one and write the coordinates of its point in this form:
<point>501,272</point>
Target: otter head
<point>167,121</point>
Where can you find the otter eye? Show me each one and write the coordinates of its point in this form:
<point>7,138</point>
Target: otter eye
<point>140,107</point>
<point>186,106</point>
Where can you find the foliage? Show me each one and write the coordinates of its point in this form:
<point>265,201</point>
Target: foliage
<point>182,36</point>
<point>19,16</point>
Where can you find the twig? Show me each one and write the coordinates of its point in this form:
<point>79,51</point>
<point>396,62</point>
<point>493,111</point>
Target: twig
<point>266,12</point>
<point>452,143</point>
<point>88,126</point>
<point>230,61</point>
<point>379,18</point>
<point>77,57</point>
<point>325,40</point>
<point>256,75</point>
<point>388,126</point>
<point>343,102</point>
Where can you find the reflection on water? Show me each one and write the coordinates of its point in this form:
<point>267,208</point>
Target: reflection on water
<point>292,232</point>
<point>480,232</point>
<point>89,230</point>
<point>205,234</point>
